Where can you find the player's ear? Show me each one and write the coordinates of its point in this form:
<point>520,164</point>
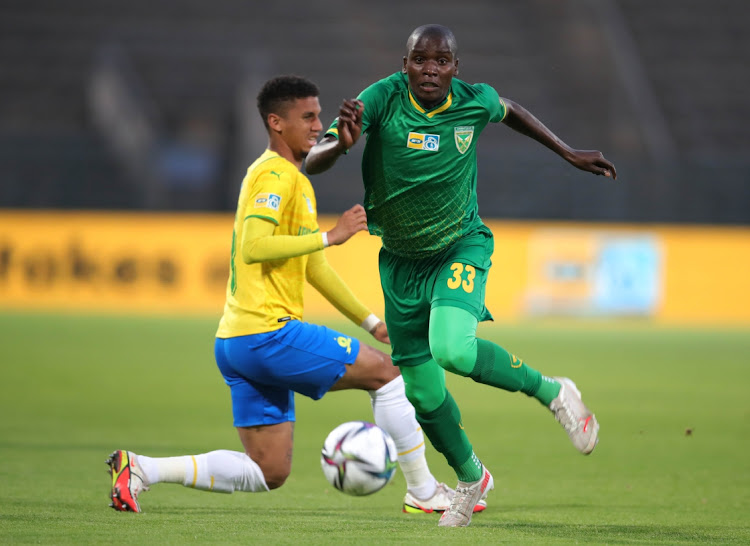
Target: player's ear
<point>403,68</point>
<point>455,64</point>
<point>274,122</point>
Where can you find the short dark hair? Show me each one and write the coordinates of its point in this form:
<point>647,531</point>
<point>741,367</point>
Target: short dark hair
<point>432,30</point>
<point>283,89</point>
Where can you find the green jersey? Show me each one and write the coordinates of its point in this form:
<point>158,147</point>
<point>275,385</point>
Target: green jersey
<point>420,166</point>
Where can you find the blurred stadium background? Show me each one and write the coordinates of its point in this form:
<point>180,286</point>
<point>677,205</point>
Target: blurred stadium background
<point>125,130</point>
<point>150,106</point>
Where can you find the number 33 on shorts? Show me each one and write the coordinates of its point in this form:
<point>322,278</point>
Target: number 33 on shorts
<point>463,277</point>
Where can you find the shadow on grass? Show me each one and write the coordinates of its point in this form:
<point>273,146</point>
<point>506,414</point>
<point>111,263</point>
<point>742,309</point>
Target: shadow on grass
<point>325,519</point>
<point>272,523</point>
<point>625,533</point>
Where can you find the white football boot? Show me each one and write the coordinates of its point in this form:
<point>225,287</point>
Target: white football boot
<point>466,498</point>
<point>439,502</point>
<point>577,420</point>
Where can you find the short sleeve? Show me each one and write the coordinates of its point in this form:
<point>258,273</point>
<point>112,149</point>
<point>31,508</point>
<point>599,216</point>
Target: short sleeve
<point>492,101</point>
<point>333,130</point>
<point>268,196</point>
<point>373,98</point>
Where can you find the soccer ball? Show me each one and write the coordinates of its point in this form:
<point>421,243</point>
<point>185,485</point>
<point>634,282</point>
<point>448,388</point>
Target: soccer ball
<point>358,458</point>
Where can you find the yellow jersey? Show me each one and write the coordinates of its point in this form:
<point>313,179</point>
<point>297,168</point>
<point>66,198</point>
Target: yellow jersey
<point>263,296</point>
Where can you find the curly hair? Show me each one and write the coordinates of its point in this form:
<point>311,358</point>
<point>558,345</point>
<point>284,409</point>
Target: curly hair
<point>278,92</point>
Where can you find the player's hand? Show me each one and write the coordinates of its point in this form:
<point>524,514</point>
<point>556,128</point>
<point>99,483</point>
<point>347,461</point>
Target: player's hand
<point>350,123</point>
<point>352,221</point>
<point>592,161</point>
<point>380,332</point>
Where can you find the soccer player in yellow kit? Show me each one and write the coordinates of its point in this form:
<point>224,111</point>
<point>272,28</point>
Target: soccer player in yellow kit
<point>263,348</point>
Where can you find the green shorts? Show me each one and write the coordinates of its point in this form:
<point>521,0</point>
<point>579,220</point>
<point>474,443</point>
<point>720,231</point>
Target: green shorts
<point>455,277</point>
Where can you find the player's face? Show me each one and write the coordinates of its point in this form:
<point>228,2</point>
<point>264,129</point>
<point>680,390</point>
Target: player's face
<point>430,67</point>
<point>301,126</point>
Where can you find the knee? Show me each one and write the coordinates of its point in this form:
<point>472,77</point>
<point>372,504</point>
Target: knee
<point>275,469</point>
<point>275,474</point>
<point>423,399</point>
<point>387,372</point>
<point>457,358</point>
<point>274,481</point>
<point>378,369</point>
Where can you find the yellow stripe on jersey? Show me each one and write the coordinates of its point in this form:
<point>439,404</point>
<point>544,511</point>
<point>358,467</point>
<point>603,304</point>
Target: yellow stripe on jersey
<point>505,109</point>
<point>441,108</point>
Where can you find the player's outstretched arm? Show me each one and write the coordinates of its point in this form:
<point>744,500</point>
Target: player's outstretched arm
<point>324,154</point>
<point>326,281</point>
<point>521,120</point>
<point>259,244</point>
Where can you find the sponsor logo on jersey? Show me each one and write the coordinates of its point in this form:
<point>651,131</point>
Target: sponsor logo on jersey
<point>267,201</point>
<point>421,141</point>
<point>463,135</point>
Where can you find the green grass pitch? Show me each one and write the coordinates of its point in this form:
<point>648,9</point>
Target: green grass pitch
<point>672,466</point>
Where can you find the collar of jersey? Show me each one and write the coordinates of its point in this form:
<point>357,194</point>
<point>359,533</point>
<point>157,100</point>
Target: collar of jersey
<point>442,108</point>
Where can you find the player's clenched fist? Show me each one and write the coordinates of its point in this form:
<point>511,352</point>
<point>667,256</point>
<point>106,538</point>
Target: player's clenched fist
<point>350,123</point>
<point>352,221</point>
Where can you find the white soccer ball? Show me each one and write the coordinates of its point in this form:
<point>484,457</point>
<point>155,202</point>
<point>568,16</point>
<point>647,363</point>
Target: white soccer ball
<point>359,458</point>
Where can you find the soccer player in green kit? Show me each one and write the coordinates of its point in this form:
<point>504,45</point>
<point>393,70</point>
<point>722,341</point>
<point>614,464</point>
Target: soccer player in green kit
<point>420,170</point>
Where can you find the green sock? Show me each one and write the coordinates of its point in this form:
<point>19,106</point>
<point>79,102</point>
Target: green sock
<point>497,367</point>
<point>471,470</point>
<point>445,431</point>
<point>548,390</point>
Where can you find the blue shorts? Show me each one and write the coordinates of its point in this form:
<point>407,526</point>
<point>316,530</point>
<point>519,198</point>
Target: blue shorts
<point>264,371</point>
